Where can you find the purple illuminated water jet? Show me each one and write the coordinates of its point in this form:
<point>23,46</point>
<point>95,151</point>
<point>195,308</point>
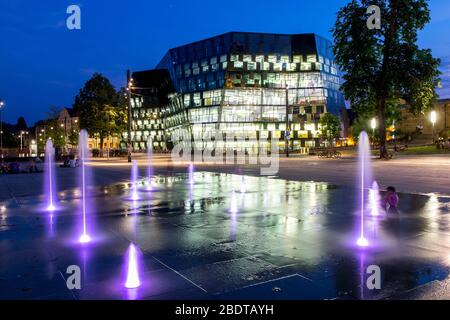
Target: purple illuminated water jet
<point>83,149</point>
<point>50,175</point>
<point>365,179</point>
<point>134,181</point>
<point>132,276</point>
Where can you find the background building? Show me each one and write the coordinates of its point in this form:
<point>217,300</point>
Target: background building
<point>255,85</point>
<point>411,123</point>
<point>149,98</point>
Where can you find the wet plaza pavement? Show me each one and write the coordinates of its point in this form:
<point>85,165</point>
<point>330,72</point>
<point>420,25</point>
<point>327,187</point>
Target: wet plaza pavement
<point>225,236</point>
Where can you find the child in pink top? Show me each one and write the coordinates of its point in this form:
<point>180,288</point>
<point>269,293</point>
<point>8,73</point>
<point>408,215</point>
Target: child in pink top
<point>390,201</point>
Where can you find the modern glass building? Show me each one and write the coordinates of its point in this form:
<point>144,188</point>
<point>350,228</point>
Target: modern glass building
<point>255,85</point>
<point>150,92</point>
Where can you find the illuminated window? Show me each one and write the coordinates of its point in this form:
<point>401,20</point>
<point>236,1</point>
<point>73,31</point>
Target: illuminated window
<point>251,66</point>
<point>197,100</point>
<point>234,57</point>
<point>291,67</point>
<point>311,58</point>
<point>247,58</point>
<point>238,64</point>
<point>259,58</point>
<point>297,59</point>
<point>305,66</point>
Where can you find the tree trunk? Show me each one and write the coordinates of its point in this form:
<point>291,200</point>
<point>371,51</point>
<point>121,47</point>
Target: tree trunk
<point>101,145</point>
<point>381,106</point>
<point>382,82</point>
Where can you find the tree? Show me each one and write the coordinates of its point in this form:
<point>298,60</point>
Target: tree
<point>331,127</point>
<point>21,125</point>
<point>73,137</point>
<point>54,132</point>
<point>99,108</point>
<point>383,66</point>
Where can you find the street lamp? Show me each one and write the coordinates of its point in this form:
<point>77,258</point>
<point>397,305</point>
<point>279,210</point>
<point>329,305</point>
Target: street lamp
<point>1,128</point>
<point>433,121</point>
<point>373,125</point>
<point>129,83</point>
<point>21,140</point>
<point>287,132</point>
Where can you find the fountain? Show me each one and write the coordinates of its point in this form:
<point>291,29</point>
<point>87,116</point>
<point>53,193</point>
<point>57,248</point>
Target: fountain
<point>374,198</point>
<point>83,150</point>
<point>365,179</point>
<point>134,181</point>
<point>132,279</point>
<point>50,176</point>
<point>149,162</point>
<point>243,185</point>
<point>191,173</point>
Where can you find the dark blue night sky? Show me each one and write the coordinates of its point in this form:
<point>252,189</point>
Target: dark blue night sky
<point>44,64</point>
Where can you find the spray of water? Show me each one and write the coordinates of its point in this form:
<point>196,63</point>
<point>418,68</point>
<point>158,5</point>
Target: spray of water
<point>50,175</point>
<point>83,150</point>
<point>191,174</point>
<point>374,198</point>
<point>134,181</point>
<point>365,178</point>
<point>243,185</point>
<point>132,280</point>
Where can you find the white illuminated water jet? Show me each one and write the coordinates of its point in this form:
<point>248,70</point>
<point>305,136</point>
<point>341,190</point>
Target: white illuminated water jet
<point>365,176</point>
<point>374,198</point>
<point>134,181</point>
<point>243,185</point>
<point>83,149</point>
<point>132,280</point>
<point>50,177</point>
<point>191,173</point>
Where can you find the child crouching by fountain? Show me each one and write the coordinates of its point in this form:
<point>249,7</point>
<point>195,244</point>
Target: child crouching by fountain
<point>390,200</point>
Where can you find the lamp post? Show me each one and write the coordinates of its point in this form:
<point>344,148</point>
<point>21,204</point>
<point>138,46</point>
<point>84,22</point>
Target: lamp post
<point>21,139</point>
<point>129,115</point>
<point>1,128</point>
<point>433,118</point>
<point>287,132</point>
<point>373,125</point>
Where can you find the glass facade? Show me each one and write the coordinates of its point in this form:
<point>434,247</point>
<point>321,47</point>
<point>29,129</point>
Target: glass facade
<point>247,83</point>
